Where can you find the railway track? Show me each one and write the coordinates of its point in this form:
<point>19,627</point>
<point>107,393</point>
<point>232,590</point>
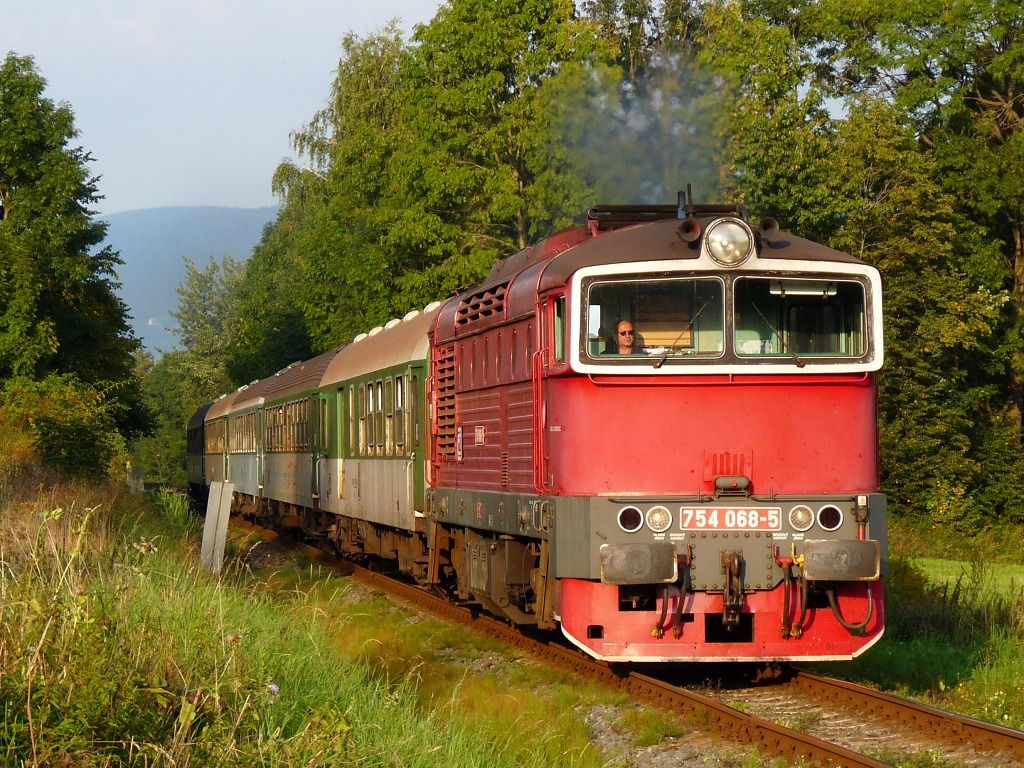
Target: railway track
<point>878,720</point>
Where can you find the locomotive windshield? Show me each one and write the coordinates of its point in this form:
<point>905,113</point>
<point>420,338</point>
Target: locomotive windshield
<point>669,317</point>
<point>790,317</point>
<point>687,319</point>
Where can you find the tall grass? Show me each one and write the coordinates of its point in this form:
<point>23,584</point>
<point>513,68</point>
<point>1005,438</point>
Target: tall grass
<point>117,650</point>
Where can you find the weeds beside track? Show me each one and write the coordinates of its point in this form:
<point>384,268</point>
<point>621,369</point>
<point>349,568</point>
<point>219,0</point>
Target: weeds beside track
<point>116,650</point>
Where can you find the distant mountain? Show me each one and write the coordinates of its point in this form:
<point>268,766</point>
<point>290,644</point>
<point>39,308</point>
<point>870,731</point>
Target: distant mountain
<point>154,244</point>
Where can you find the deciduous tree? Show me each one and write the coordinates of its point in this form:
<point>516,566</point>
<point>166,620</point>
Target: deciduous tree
<point>59,313</point>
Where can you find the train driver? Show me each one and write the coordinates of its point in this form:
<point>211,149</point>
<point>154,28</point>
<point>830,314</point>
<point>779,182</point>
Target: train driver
<point>625,338</point>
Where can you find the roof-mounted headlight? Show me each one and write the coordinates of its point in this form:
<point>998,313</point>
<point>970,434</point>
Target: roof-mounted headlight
<point>729,242</point>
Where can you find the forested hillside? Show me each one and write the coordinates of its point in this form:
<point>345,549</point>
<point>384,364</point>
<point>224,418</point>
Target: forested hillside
<point>892,132</point>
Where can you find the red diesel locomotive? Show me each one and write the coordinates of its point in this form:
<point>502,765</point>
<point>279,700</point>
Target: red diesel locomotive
<point>656,431</point>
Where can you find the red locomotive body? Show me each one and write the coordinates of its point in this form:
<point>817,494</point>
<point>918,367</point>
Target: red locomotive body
<point>709,492</point>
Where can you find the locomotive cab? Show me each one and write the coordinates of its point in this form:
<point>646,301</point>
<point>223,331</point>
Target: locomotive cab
<point>772,310</point>
<point>725,463</point>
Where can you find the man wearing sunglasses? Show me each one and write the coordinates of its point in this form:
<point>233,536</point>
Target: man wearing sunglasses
<point>625,338</point>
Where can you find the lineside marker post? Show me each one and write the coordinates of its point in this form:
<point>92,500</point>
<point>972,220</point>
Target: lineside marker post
<point>215,529</point>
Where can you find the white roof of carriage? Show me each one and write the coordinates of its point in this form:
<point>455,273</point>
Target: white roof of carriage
<point>397,343</point>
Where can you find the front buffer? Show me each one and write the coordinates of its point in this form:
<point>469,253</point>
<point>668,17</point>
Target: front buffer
<point>826,606</point>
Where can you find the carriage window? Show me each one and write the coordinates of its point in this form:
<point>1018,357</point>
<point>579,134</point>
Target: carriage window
<point>670,317</point>
<point>324,434</point>
<point>399,411</point>
<point>414,421</point>
<point>787,317</point>
<point>353,419</point>
<point>378,426</point>
<point>366,416</point>
<point>389,416</point>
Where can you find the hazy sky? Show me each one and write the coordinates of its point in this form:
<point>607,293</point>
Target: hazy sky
<point>191,102</point>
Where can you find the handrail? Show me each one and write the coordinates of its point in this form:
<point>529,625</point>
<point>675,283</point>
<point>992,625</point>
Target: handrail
<point>430,422</point>
<point>539,448</point>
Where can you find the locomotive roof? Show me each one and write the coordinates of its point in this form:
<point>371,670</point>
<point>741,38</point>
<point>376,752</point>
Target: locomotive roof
<point>517,279</point>
<point>404,341</point>
<point>297,378</point>
<point>662,240</point>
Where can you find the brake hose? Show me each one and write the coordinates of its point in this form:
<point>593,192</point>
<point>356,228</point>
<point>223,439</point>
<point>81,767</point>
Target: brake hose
<point>798,627</point>
<point>677,615</point>
<point>658,630</point>
<point>853,629</point>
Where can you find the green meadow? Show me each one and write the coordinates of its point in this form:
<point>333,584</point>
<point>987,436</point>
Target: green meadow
<point>117,649</point>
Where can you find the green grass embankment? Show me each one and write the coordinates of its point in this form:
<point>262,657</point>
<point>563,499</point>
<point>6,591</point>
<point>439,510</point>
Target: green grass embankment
<point>116,649</point>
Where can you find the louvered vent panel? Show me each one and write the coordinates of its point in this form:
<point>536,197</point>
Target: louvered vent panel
<point>445,416</point>
<point>717,463</point>
<point>481,305</point>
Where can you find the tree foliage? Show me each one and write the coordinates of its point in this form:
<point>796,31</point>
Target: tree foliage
<point>61,323</point>
<point>856,124</point>
<point>206,313</point>
<point>433,158</point>
<point>59,309</point>
<point>889,132</point>
<point>71,423</point>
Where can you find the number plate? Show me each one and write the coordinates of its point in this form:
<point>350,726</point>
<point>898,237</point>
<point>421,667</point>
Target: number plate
<point>730,518</point>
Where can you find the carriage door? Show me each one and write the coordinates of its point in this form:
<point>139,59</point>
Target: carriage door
<point>318,445</point>
<point>261,445</point>
<point>226,455</point>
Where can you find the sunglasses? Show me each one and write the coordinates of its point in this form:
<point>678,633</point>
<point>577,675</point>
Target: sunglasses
<point>626,333</point>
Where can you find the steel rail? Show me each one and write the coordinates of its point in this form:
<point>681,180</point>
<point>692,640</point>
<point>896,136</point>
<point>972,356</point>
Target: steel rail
<point>942,725</point>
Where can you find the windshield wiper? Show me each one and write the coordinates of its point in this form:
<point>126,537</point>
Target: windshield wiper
<point>782,340</point>
<point>660,360</point>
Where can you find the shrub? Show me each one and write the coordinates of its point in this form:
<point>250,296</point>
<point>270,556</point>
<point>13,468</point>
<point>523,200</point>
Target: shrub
<point>69,422</point>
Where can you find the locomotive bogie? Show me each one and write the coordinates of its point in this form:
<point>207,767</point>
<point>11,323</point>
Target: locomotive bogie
<point>502,574</point>
<point>498,548</point>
